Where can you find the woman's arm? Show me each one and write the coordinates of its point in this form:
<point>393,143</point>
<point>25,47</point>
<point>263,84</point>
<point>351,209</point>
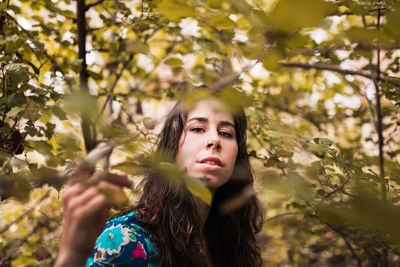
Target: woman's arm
<point>85,214</point>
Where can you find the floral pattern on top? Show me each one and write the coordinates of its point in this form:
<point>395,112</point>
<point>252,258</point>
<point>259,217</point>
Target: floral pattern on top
<point>124,242</point>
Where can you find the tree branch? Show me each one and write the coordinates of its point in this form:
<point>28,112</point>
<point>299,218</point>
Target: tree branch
<point>114,84</point>
<point>282,215</point>
<point>88,128</point>
<point>230,78</point>
<point>18,245</point>
<point>349,246</point>
<point>87,7</point>
<point>338,69</point>
<point>6,165</point>
<point>41,46</point>
<point>332,48</point>
<point>306,117</point>
<point>20,217</point>
<point>319,66</point>
<point>379,126</point>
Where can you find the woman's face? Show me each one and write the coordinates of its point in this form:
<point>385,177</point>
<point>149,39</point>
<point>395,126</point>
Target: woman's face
<point>207,146</point>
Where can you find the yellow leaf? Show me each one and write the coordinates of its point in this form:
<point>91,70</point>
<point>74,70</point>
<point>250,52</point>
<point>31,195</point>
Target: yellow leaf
<point>198,188</point>
<point>175,9</point>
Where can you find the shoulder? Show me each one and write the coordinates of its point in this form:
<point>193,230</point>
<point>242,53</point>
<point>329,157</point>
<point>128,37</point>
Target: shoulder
<point>124,242</point>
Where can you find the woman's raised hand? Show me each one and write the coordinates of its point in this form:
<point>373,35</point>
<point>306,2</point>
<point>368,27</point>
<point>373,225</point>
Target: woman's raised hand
<point>86,210</point>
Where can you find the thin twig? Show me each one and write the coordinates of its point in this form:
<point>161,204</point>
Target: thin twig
<point>297,113</point>
<point>333,48</point>
<point>18,245</point>
<point>380,128</point>
<point>117,77</point>
<point>141,13</point>
<point>338,69</point>
<point>13,153</point>
<point>349,246</point>
<point>230,78</point>
<point>282,215</point>
<point>334,191</point>
<point>87,7</point>
<point>20,217</point>
<point>41,46</point>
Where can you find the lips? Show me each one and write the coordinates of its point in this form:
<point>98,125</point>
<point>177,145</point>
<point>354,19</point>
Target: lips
<point>212,161</point>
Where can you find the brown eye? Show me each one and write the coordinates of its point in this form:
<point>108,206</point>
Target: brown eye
<point>225,134</point>
<point>197,129</point>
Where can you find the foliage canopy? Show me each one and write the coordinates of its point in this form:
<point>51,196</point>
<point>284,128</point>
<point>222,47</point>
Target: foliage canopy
<point>319,79</point>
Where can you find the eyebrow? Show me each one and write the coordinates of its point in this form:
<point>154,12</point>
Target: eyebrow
<point>221,123</point>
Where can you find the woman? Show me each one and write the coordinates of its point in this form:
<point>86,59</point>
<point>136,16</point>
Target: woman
<point>168,226</point>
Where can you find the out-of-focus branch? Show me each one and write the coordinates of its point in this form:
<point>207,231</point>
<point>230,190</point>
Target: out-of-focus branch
<point>6,165</point>
<point>230,78</point>
<point>348,244</point>
<point>41,46</point>
<point>88,128</point>
<point>114,84</point>
<point>318,66</point>
<point>19,244</point>
<point>338,69</point>
<point>295,113</point>
<point>20,217</point>
<point>333,48</point>
<point>282,215</point>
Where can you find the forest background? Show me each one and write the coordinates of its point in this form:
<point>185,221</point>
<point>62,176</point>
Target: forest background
<point>319,79</point>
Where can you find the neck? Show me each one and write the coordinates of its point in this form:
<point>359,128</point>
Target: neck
<point>203,210</point>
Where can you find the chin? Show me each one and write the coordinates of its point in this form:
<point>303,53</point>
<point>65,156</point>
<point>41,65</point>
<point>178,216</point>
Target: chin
<point>215,183</point>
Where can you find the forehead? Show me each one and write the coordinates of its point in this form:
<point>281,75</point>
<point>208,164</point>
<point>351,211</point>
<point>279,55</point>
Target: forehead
<point>210,109</point>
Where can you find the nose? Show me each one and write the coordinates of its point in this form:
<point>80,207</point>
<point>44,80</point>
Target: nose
<point>214,143</point>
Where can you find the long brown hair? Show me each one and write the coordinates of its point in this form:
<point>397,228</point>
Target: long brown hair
<point>172,218</point>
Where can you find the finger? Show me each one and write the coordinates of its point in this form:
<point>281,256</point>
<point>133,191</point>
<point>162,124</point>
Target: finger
<point>114,194</point>
<point>97,206</point>
<point>108,186</point>
<point>79,203</point>
<point>82,172</point>
<point>95,213</point>
<point>93,206</point>
<point>120,180</point>
<point>71,192</point>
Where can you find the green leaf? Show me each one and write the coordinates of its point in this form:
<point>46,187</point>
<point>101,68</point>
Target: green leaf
<point>136,46</point>
<point>392,24</point>
<point>321,147</point>
<point>207,44</point>
<point>174,61</point>
<point>117,199</point>
<point>96,76</point>
<point>3,6</point>
<point>41,146</point>
<point>222,22</point>
<point>291,14</point>
<point>271,58</point>
<point>16,99</point>
<point>15,111</point>
<point>17,72</point>
<point>76,64</point>
<point>129,168</point>
<point>49,130</point>
<point>59,113</point>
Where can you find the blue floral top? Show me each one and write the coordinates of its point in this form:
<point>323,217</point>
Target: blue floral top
<point>124,243</point>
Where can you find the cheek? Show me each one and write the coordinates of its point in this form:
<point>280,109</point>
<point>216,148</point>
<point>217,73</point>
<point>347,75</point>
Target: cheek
<point>232,155</point>
<point>185,152</point>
